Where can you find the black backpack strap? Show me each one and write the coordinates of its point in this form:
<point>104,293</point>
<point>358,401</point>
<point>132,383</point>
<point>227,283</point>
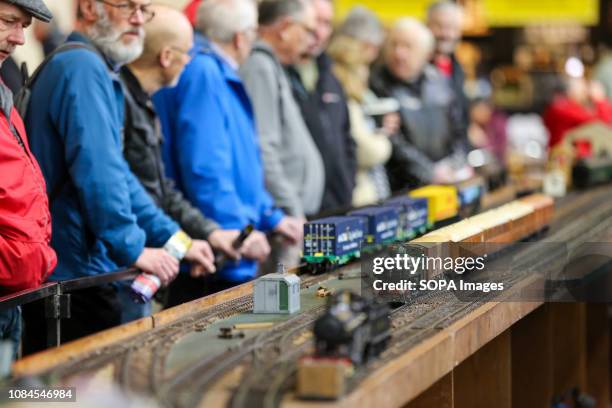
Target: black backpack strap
<point>72,45</point>
<point>22,99</point>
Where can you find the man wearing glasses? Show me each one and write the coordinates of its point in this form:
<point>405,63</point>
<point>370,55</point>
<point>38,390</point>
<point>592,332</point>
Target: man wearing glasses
<point>293,166</point>
<point>103,218</point>
<point>211,146</point>
<point>323,104</point>
<point>26,257</point>
<point>166,52</point>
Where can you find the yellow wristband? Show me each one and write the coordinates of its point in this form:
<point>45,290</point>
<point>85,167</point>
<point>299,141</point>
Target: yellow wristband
<point>178,245</point>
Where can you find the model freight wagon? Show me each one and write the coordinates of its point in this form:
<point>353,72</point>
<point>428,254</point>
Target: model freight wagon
<point>413,216</point>
<point>333,241</point>
<point>443,202</point>
<point>276,293</point>
<point>382,224</point>
<point>470,193</point>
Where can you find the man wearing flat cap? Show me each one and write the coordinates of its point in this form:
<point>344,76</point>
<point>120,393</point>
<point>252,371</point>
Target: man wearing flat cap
<point>26,258</point>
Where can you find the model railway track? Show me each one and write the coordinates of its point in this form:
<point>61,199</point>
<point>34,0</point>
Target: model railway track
<point>264,387</point>
<point>431,313</point>
<point>140,362</point>
<point>199,377</point>
<point>200,321</point>
<point>135,355</point>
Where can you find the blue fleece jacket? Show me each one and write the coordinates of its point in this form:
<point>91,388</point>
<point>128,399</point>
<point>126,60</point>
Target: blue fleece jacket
<point>102,217</point>
<point>211,148</point>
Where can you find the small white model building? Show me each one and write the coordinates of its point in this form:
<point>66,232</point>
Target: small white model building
<point>277,293</point>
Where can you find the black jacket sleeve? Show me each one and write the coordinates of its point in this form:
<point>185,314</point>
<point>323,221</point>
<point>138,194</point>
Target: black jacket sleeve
<point>408,167</point>
<point>191,220</point>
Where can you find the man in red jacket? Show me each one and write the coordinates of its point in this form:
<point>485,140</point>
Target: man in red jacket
<point>583,102</point>
<point>26,258</point>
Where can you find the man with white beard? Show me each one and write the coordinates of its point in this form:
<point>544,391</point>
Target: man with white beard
<point>103,218</point>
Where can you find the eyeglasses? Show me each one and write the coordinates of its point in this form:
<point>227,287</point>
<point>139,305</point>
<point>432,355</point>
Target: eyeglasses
<point>311,31</point>
<point>181,51</point>
<point>128,9</point>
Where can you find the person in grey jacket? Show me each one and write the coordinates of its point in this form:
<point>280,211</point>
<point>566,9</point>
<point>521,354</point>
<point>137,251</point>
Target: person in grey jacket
<point>433,142</point>
<point>166,52</point>
<point>293,166</point>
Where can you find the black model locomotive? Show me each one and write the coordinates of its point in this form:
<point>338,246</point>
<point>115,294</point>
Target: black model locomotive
<point>352,328</point>
<point>592,172</point>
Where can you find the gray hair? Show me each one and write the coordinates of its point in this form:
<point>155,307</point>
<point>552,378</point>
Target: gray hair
<point>221,20</point>
<point>363,25</point>
<point>271,11</point>
<point>443,5</point>
<point>415,27</point>
<point>105,36</point>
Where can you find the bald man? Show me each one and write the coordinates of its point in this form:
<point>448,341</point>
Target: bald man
<point>165,54</point>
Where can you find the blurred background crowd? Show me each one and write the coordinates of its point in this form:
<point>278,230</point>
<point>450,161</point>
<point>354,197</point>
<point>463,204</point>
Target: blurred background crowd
<point>529,71</point>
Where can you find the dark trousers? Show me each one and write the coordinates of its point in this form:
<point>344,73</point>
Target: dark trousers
<point>10,327</point>
<point>91,310</point>
<point>185,288</point>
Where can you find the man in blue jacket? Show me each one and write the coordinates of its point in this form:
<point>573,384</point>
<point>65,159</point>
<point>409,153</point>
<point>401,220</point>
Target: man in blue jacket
<point>103,219</point>
<point>211,147</point>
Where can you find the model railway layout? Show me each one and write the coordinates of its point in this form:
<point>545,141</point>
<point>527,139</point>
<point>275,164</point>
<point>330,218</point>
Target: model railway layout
<point>171,363</point>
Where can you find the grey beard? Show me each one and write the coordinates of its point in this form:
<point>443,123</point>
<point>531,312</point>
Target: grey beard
<point>108,40</point>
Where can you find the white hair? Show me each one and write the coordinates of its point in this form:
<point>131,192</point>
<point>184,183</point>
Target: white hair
<point>444,5</point>
<point>221,20</point>
<point>363,24</point>
<point>415,27</point>
<point>104,35</point>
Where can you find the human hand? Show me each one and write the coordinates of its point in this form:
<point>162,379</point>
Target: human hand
<point>201,256</point>
<point>391,123</point>
<point>597,91</point>
<point>256,246</point>
<point>158,262</point>
<point>222,240</point>
<point>292,229</point>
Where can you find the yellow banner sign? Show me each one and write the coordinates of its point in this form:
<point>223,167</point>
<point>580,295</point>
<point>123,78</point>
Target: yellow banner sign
<point>494,12</point>
<point>387,10</point>
<point>523,12</point>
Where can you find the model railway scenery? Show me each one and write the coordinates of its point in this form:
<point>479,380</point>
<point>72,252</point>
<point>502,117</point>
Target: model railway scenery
<point>306,203</point>
<point>336,341</point>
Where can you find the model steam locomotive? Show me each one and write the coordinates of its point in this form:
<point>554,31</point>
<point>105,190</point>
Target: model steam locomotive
<point>352,328</point>
<point>351,332</point>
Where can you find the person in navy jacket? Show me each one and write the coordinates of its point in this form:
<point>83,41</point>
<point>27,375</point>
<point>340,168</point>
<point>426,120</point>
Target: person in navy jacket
<point>211,148</point>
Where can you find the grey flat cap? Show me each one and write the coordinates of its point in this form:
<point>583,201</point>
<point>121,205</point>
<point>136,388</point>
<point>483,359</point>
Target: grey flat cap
<point>36,8</point>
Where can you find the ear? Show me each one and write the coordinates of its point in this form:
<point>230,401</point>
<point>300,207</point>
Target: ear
<point>238,41</point>
<point>87,10</point>
<point>166,57</point>
<point>283,24</point>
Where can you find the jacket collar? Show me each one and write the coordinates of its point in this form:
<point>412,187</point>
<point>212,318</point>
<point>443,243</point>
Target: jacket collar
<point>134,87</point>
<point>324,62</point>
<point>76,36</point>
<point>204,46</point>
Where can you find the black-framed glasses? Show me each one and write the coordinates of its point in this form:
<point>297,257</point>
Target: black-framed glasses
<point>311,31</point>
<point>129,8</point>
<point>185,53</point>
